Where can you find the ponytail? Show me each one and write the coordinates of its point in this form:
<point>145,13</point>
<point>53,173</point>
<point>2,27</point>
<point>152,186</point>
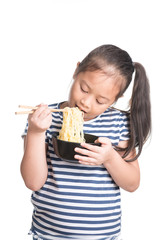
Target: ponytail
<point>140,113</point>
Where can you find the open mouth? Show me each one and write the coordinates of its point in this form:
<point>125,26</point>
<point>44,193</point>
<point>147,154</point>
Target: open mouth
<point>81,110</point>
<point>85,114</point>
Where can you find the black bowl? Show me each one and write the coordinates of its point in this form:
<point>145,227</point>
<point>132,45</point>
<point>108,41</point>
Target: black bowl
<point>65,149</point>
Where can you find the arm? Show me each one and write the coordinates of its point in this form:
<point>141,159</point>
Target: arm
<point>34,166</point>
<point>125,174</point>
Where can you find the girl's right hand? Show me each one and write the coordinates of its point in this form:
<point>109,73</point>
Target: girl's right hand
<point>40,120</point>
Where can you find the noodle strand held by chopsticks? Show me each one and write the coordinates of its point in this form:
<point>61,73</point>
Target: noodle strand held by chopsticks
<point>72,127</point>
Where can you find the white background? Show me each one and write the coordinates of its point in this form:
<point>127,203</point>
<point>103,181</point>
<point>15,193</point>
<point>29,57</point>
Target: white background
<point>40,45</point>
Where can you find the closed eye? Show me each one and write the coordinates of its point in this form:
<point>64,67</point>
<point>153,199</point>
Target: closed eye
<point>99,102</point>
<point>84,90</point>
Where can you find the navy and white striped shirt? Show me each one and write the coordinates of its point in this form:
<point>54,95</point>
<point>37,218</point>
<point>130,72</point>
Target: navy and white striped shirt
<point>79,201</point>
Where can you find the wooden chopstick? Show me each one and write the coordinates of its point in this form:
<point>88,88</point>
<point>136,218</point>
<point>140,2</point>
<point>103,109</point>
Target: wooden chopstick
<point>34,108</point>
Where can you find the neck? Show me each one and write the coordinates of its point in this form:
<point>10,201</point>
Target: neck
<point>63,105</point>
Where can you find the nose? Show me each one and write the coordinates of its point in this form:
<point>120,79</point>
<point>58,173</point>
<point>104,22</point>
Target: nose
<point>86,102</point>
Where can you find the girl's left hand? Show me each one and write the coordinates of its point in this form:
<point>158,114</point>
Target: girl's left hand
<point>95,155</point>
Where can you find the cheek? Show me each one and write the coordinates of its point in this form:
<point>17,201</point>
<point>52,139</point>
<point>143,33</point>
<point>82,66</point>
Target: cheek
<point>74,93</point>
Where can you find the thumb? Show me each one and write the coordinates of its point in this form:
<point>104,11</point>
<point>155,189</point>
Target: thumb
<point>103,141</point>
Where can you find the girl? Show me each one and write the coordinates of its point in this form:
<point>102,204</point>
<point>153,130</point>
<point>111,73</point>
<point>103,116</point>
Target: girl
<point>82,201</point>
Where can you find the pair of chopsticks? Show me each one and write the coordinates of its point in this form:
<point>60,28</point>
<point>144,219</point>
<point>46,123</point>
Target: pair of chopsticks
<point>34,108</point>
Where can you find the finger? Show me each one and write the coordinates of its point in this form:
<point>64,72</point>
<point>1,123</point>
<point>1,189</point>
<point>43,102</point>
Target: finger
<point>43,104</point>
<point>37,110</point>
<point>87,163</point>
<point>103,140</point>
<point>45,113</point>
<point>39,106</point>
<point>42,111</point>
<point>91,147</point>
<point>86,152</point>
<point>85,160</point>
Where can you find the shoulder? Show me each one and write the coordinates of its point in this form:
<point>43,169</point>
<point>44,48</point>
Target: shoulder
<point>120,120</point>
<point>115,114</point>
<point>123,124</point>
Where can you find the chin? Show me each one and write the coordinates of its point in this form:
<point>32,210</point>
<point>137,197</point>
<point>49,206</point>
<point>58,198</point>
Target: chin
<point>86,118</point>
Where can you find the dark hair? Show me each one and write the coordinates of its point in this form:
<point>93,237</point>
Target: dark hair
<point>139,112</point>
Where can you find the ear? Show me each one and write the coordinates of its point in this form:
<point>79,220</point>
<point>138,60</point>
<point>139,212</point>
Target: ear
<point>78,64</point>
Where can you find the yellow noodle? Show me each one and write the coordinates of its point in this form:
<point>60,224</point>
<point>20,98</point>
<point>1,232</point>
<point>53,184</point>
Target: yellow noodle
<point>72,127</point>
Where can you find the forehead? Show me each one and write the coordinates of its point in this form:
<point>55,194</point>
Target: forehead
<point>100,82</point>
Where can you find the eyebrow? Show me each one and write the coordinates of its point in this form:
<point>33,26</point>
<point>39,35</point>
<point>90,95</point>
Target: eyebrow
<point>99,95</point>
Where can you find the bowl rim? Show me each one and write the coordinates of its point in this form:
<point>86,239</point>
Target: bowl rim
<point>54,135</point>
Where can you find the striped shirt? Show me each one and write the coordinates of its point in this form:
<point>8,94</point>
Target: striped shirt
<point>79,201</point>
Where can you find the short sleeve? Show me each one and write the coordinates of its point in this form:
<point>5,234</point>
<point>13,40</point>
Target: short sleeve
<point>25,130</point>
<point>124,127</point>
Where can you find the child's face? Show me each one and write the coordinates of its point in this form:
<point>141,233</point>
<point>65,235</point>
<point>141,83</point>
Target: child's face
<point>93,93</point>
